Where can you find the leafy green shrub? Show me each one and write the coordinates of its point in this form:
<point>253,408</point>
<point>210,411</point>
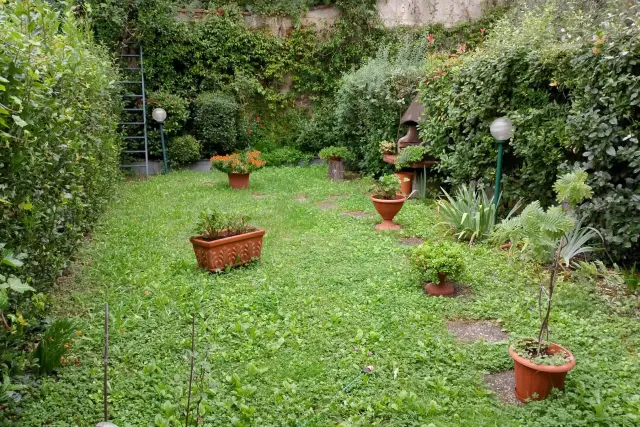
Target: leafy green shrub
<point>177,109</point>
<point>286,156</point>
<point>332,152</point>
<point>216,120</point>
<point>59,109</point>
<point>408,155</point>
<point>386,187</point>
<point>431,259</point>
<point>549,72</point>
<point>371,100</point>
<point>183,150</point>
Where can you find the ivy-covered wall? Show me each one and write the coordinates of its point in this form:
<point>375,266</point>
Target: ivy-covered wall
<point>282,80</point>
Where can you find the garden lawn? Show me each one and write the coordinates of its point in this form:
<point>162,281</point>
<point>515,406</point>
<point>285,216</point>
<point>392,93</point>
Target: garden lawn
<point>277,341</point>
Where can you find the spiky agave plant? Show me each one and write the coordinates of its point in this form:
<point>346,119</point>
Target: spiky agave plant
<point>470,213</point>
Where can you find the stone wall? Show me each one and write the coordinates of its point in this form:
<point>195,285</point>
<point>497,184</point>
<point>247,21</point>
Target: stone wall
<point>392,13</point>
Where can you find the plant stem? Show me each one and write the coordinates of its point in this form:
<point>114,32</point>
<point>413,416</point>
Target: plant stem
<point>544,327</point>
<point>193,332</point>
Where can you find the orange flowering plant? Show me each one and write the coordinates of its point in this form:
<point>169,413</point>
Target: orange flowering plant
<point>243,162</point>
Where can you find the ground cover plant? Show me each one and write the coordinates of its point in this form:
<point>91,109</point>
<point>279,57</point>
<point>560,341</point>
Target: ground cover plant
<point>278,342</point>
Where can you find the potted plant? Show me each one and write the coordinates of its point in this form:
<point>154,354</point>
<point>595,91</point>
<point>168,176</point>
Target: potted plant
<point>335,156</point>
<point>437,262</point>
<point>387,147</point>
<point>407,156</point>
<point>387,201</point>
<point>238,166</point>
<point>225,241</point>
<point>541,365</point>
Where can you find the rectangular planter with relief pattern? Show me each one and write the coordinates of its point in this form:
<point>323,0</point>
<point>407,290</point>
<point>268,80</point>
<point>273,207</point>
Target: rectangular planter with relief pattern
<point>219,254</point>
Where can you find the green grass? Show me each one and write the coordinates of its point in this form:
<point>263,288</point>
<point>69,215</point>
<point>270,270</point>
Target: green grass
<point>276,340</point>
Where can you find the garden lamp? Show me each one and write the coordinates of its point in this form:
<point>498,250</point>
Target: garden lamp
<point>160,115</point>
<point>501,129</point>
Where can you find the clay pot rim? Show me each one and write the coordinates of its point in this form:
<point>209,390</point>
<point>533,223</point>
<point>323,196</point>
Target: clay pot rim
<point>553,369</point>
<point>401,172</point>
<point>238,173</point>
<point>398,199</point>
<point>196,240</point>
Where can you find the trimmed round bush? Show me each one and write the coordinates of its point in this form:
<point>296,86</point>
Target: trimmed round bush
<point>183,150</point>
<point>216,120</point>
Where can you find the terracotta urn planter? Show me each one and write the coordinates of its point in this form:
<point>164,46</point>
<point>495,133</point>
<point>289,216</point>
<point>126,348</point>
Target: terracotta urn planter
<point>442,288</point>
<point>216,255</point>
<point>238,181</point>
<point>388,209</point>
<point>533,381</point>
<point>405,186</point>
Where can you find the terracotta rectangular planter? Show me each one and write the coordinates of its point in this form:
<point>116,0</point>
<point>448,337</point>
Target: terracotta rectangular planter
<point>231,251</point>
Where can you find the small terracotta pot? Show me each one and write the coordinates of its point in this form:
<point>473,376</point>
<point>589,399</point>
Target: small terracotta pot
<point>238,181</point>
<point>405,186</point>
<point>388,209</point>
<point>539,379</point>
<point>442,288</point>
<point>231,251</point>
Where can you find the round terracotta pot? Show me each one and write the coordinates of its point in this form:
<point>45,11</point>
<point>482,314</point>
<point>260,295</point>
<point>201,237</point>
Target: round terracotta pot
<point>533,381</point>
<point>442,288</point>
<point>238,181</point>
<point>405,186</point>
<point>388,209</point>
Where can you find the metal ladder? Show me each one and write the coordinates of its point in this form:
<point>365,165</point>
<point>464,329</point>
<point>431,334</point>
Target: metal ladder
<point>133,63</point>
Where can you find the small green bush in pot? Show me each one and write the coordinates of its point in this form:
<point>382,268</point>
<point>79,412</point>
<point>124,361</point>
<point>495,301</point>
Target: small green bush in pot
<point>183,150</point>
<point>436,262</point>
<point>334,153</point>
<point>411,154</point>
<point>386,187</point>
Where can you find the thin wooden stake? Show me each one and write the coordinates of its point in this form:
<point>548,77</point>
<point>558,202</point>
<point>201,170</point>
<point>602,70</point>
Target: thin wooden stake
<point>106,359</point>
<point>193,341</point>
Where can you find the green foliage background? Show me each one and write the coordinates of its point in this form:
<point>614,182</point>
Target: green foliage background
<point>571,87</point>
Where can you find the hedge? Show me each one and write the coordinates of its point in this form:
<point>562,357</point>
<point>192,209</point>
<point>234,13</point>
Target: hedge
<point>59,144</point>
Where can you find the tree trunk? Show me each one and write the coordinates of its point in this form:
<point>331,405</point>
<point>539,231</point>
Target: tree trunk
<point>336,169</point>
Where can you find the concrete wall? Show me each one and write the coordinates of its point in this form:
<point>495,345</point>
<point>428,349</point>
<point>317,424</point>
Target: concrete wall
<point>422,12</point>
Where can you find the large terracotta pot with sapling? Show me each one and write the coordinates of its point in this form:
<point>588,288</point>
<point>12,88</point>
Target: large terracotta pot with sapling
<point>387,201</point>
<point>225,241</point>
<point>335,157</point>
<point>438,263</point>
<point>541,365</point>
<point>238,167</point>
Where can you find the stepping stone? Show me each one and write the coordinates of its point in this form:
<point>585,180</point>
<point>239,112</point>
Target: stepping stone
<point>411,241</point>
<point>259,196</point>
<point>504,385</point>
<point>326,205</point>
<point>301,198</point>
<point>475,330</point>
<point>358,214</point>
